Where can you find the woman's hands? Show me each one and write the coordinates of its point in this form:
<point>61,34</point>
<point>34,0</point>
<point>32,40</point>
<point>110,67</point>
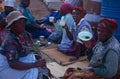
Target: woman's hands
<point>85,74</point>
<point>88,44</point>
<point>40,63</point>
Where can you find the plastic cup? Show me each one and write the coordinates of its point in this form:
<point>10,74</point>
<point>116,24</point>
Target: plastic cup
<point>41,37</point>
<point>51,19</point>
<point>62,23</point>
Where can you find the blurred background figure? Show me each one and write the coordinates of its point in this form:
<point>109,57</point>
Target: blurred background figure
<point>8,7</point>
<point>31,25</point>
<point>1,5</point>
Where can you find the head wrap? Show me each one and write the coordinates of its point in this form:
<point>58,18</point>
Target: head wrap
<point>113,24</point>
<point>80,10</point>
<point>9,3</point>
<point>67,8</point>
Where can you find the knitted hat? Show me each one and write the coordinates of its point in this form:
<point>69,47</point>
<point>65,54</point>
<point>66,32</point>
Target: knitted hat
<point>13,16</point>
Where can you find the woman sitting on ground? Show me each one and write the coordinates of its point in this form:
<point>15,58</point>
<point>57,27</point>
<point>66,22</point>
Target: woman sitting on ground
<point>104,56</point>
<point>17,60</point>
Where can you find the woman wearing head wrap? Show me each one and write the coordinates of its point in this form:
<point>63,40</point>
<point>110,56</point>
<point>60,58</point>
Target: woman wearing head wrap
<point>80,25</point>
<point>104,56</point>
<point>67,24</point>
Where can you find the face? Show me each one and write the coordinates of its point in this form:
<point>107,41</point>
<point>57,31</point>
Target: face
<point>103,33</point>
<point>8,9</point>
<point>77,15</point>
<point>25,3</point>
<point>18,26</point>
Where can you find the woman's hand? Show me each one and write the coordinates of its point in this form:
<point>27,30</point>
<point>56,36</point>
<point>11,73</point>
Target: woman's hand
<point>88,44</point>
<point>40,63</point>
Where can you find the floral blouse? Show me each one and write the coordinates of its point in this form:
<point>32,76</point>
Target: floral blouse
<point>15,46</point>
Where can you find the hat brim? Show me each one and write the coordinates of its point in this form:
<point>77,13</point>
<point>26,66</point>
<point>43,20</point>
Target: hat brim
<point>11,22</point>
<point>85,36</point>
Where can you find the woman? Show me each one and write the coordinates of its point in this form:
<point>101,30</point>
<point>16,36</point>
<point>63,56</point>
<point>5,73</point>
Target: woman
<point>80,25</point>
<point>104,56</point>
<point>67,29</point>
<point>17,60</point>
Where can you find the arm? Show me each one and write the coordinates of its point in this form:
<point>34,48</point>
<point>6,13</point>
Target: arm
<point>69,34</point>
<point>23,66</point>
<point>110,66</point>
<point>69,26</point>
<point>13,55</point>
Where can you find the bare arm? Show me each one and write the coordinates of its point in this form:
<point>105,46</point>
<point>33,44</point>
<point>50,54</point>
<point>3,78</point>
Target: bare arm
<point>23,66</point>
<point>69,34</point>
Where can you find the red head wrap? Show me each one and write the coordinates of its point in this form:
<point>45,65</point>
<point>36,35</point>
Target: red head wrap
<point>111,22</point>
<point>80,10</point>
<point>67,8</point>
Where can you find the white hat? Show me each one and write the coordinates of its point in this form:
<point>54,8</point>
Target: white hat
<point>85,35</point>
<point>13,16</point>
<point>9,3</point>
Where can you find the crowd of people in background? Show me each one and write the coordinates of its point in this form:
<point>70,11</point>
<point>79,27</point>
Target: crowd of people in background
<point>82,28</point>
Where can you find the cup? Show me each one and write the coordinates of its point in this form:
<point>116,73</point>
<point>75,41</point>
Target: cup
<point>51,19</point>
<point>62,23</point>
<point>41,38</point>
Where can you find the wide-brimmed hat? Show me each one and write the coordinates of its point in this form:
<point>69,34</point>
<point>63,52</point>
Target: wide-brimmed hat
<point>85,35</point>
<point>13,16</point>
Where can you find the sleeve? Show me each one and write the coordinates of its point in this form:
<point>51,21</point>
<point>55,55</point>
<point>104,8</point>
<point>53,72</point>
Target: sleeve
<point>11,52</point>
<point>70,22</point>
<point>110,66</point>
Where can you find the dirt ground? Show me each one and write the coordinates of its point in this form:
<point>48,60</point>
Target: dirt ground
<point>37,8</point>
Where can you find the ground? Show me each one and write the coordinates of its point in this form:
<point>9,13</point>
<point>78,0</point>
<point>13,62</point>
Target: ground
<point>40,10</point>
<point>37,8</point>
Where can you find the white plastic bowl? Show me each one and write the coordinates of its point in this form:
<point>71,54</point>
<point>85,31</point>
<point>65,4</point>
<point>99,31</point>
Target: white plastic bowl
<point>85,35</point>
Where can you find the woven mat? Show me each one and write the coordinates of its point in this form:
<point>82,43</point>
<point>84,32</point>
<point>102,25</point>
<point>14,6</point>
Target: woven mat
<point>57,56</point>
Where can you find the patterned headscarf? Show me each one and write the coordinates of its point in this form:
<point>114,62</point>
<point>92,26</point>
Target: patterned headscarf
<point>66,8</point>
